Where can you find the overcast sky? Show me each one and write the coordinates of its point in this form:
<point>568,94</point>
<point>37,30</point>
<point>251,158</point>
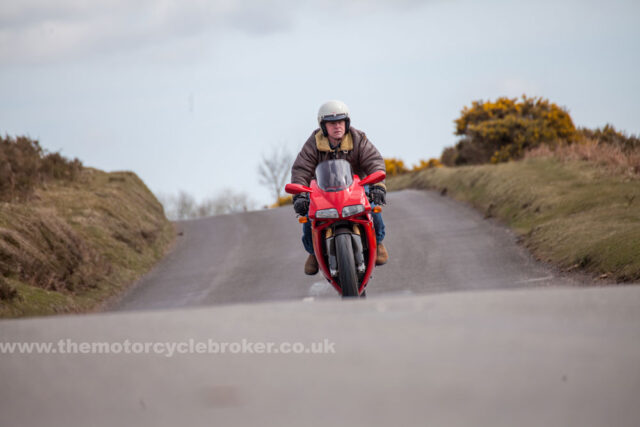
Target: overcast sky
<point>188,94</point>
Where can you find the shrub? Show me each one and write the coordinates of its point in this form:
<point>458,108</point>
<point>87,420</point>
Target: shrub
<point>609,135</point>
<point>24,165</point>
<point>55,166</point>
<point>283,201</point>
<point>503,130</point>
<point>395,166</point>
<point>427,164</point>
<point>449,156</point>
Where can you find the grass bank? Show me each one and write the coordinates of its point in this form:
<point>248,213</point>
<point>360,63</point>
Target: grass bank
<point>73,244</point>
<point>571,213</point>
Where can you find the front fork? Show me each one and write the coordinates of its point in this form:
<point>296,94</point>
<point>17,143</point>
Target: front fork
<point>358,251</point>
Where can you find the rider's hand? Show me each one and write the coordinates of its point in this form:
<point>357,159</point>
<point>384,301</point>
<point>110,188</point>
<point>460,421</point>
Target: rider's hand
<point>301,204</point>
<point>378,195</point>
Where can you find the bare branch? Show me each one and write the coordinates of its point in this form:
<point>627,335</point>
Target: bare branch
<point>274,169</point>
<point>183,206</point>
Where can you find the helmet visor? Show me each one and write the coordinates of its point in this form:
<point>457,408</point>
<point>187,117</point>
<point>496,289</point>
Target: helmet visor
<point>334,117</point>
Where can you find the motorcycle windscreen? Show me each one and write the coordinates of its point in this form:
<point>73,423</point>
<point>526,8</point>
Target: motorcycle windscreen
<point>334,175</point>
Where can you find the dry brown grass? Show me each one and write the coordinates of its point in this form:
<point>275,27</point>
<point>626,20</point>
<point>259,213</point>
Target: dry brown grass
<point>73,244</point>
<point>70,237</point>
<point>613,157</point>
<point>42,250</point>
<point>571,213</point>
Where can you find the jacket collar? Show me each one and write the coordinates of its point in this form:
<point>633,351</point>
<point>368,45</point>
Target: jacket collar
<point>322,142</point>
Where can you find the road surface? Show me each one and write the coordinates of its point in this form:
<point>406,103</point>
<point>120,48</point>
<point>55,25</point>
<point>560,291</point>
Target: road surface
<point>528,357</point>
<point>435,245</point>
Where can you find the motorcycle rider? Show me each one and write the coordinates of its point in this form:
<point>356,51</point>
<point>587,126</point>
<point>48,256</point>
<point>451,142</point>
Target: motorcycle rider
<point>336,139</point>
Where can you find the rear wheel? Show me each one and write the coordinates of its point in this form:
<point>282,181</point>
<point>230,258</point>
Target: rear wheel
<point>346,265</point>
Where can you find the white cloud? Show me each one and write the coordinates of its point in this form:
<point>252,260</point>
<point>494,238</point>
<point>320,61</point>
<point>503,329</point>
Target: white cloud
<point>36,32</point>
<point>41,31</point>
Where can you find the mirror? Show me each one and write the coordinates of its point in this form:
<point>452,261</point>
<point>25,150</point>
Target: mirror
<point>377,176</point>
<point>296,189</point>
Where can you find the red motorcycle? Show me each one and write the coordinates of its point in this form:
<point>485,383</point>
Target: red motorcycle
<point>344,240</point>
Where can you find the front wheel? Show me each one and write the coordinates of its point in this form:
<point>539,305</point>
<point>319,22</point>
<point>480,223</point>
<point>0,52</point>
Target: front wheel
<point>346,265</point>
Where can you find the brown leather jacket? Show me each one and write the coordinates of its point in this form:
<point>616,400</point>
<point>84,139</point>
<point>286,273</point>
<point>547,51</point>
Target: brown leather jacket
<point>355,148</point>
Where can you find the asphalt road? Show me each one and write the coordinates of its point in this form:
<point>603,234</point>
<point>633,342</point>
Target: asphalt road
<point>435,245</point>
<point>528,357</point>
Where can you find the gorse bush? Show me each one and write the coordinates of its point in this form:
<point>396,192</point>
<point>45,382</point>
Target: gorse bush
<point>24,165</point>
<point>427,164</point>
<point>503,130</point>
<point>283,201</point>
<point>395,166</point>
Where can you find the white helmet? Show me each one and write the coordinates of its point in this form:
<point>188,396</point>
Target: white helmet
<point>333,111</point>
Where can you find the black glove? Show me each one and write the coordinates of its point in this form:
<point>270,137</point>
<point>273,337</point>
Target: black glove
<point>301,203</point>
<point>378,195</point>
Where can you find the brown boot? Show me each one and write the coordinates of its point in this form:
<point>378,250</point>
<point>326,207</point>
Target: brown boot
<point>382,256</point>
<point>311,266</point>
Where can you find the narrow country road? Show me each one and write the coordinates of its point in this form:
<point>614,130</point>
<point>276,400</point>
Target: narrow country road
<point>435,245</point>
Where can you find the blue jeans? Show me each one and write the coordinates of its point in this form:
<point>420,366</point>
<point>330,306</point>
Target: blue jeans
<point>378,225</point>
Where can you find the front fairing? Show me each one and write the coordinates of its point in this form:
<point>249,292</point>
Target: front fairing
<point>353,195</point>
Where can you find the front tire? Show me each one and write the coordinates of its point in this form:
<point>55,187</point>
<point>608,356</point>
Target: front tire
<point>346,266</point>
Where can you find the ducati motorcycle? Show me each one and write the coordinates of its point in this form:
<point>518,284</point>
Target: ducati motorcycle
<point>344,239</point>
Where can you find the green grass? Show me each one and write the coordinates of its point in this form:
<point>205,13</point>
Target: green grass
<point>73,245</point>
<point>574,214</point>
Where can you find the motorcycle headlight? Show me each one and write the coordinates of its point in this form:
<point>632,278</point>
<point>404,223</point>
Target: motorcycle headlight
<point>352,210</point>
<point>327,213</point>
